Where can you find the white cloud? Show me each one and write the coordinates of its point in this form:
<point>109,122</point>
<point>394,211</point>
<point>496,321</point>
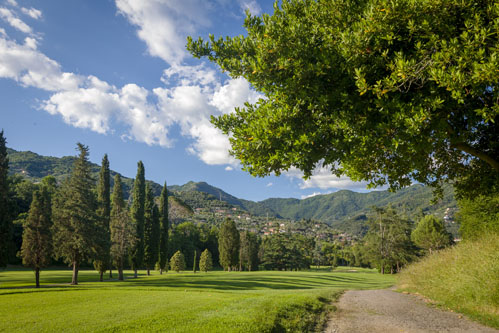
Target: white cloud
<point>12,3</point>
<point>234,94</point>
<point>11,18</point>
<point>229,168</point>
<point>323,178</point>
<point>164,24</point>
<point>314,194</point>
<point>270,184</point>
<point>251,5</point>
<point>32,12</point>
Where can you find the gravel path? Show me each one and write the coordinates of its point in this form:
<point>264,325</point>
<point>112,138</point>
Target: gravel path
<point>388,311</point>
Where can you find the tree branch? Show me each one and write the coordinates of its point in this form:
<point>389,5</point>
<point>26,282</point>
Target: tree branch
<point>475,152</point>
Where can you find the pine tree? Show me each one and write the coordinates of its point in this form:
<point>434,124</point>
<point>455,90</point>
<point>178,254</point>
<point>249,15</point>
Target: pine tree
<point>164,225</point>
<point>103,261</point>
<point>228,245</point>
<point>137,212</point>
<point>248,251</point>
<point>177,262</point>
<point>5,204</point>
<point>74,215</point>
<point>122,229</point>
<point>36,249</point>
<point>430,234</point>
<point>205,261</point>
<point>194,262</point>
<point>151,231</point>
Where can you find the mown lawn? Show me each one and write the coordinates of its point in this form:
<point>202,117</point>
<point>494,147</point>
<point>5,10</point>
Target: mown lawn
<point>176,302</point>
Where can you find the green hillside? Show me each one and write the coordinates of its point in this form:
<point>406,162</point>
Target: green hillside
<point>344,210</point>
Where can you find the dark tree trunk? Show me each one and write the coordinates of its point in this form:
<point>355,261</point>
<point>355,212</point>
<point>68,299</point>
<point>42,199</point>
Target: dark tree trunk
<point>76,266</point>
<point>148,272</point>
<point>101,276</point>
<point>135,273</point>
<point>120,274</point>
<point>161,271</point>
<point>110,269</point>
<point>37,277</point>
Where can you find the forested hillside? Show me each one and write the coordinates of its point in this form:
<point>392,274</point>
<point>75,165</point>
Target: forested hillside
<point>345,210</point>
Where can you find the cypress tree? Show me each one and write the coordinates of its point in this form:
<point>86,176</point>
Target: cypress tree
<point>137,212</point>
<point>122,229</point>
<point>74,216</point>
<point>36,249</point>
<point>5,207</point>
<point>164,225</point>
<point>228,244</point>
<point>151,231</point>
<point>205,261</point>
<point>194,262</point>
<point>103,261</point>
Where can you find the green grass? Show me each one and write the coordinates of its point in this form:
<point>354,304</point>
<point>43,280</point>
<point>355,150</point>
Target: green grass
<point>185,302</point>
<point>464,278</point>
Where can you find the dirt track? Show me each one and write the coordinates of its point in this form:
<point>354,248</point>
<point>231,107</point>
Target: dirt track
<point>388,311</point>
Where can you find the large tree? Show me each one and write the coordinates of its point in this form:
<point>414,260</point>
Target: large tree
<point>228,245</point>
<point>122,229</point>
<point>36,249</point>
<point>164,225</point>
<point>75,220</point>
<point>151,231</point>
<point>5,206</point>
<point>137,212</point>
<point>205,261</point>
<point>383,91</point>
<point>103,259</point>
<point>430,234</point>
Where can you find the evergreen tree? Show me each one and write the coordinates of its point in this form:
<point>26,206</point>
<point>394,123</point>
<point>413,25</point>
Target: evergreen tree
<point>103,260</point>
<point>194,262</point>
<point>164,226</point>
<point>122,229</point>
<point>430,234</point>
<point>248,251</point>
<point>177,262</point>
<point>137,212</point>
<point>151,231</point>
<point>5,206</point>
<point>228,245</point>
<point>205,261</point>
<point>74,215</point>
<point>36,250</point>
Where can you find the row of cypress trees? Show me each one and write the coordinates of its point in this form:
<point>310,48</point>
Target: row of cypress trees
<point>77,224</point>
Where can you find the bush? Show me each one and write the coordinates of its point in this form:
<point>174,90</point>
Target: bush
<point>177,262</point>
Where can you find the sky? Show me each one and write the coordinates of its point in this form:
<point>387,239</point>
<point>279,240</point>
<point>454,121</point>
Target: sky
<point>115,75</point>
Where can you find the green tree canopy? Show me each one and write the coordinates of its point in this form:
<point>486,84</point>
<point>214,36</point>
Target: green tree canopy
<point>177,262</point>
<point>478,216</point>
<point>228,244</point>
<point>383,91</point>
<point>75,221</point>
<point>103,259</point>
<point>164,226</point>
<point>151,231</point>
<point>430,234</point>
<point>137,212</point>
<point>205,261</point>
<point>36,250</point>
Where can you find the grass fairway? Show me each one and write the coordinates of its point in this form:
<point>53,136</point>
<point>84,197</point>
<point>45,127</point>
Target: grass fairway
<point>185,302</point>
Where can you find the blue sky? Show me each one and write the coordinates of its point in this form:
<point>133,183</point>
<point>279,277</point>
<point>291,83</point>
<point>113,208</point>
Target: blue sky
<point>115,75</point>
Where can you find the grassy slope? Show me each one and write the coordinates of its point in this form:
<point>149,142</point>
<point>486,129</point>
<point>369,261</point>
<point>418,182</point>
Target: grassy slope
<point>186,302</point>
<point>464,278</point>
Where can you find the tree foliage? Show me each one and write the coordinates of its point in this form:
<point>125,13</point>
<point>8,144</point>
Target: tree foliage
<point>430,234</point>
<point>151,231</point>
<point>478,216</point>
<point>5,205</point>
<point>137,213</point>
<point>205,261</point>
<point>228,244</point>
<point>383,91</point>
<point>36,250</point>
<point>287,252</point>
<point>177,262</point>
<point>164,226</point>
<point>248,251</point>
<point>121,226</point>
<point>75,219</point>
<point>387,244</point>
<point>102,262</point>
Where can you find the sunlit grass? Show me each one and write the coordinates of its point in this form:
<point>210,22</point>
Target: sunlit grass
<point>185,302</point>
<point>464,278</point>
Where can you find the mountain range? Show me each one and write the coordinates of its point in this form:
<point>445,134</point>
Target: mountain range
<point>335,208</point>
